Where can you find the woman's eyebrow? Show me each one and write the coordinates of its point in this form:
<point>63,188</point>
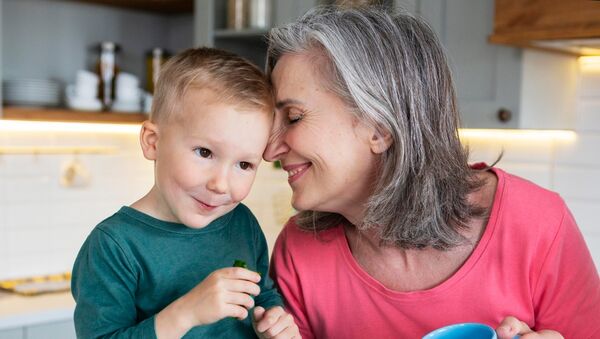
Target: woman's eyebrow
<point>286,102</point>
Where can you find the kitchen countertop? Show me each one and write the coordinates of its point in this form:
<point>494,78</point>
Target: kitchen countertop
<point>19,311</point>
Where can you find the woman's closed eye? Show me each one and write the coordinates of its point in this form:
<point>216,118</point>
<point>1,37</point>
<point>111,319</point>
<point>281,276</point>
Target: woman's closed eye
<point>294,116</point>
<point>203,152</point>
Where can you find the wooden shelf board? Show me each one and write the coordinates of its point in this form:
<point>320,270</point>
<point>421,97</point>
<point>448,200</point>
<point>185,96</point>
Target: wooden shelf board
<point>157,6</point>
<point>245,33</point>
<point>66,115</point>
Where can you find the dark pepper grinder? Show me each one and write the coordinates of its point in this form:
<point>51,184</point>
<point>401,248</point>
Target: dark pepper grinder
<point>107,71</point>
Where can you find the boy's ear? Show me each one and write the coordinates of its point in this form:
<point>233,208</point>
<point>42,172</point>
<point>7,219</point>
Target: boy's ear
<point>149,139</point>
<point>380,140</point>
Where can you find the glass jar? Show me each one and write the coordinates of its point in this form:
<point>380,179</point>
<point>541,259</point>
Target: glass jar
<point>237,14</point>
<point>155,58</point>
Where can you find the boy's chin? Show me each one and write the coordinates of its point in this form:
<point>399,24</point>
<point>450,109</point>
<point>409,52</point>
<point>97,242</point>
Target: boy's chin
<point>200,221</point>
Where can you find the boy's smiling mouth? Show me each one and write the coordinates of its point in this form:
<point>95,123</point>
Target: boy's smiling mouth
<point>205,206</point>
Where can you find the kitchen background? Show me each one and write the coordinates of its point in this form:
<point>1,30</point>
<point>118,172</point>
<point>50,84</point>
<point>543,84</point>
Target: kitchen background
<point>46,212</point>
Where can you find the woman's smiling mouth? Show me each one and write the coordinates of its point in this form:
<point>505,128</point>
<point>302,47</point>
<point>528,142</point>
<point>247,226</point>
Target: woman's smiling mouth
<point>296,171</point>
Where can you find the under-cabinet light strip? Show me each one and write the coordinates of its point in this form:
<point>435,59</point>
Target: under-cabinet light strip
<point>517,134</point>
<point>78,127</point>
<point>57,150</point>
<point>39,126</point>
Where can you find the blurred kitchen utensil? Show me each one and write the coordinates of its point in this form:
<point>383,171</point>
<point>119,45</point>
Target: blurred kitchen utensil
<point>38,285</point>
<point>237,14</point>
<point>129,95</point>
<point>83,95</point>
<point>75,174</point>
<point>260,14</point>
<point>107,69</point>
<point>154,60</point>
<point>31,92</point>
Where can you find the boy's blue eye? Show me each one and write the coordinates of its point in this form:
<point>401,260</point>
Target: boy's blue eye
<point>203,152</point>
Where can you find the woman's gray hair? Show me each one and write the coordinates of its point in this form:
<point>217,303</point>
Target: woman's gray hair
<point>391,72</point>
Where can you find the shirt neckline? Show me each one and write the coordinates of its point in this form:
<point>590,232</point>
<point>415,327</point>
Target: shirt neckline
<point>475,256</point>
<point>174,227</point>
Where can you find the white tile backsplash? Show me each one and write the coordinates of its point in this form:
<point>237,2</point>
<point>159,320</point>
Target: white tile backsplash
<point>577,182</point>
<point>590,85</point>
<point>588,115</point>
<point>585,150</point>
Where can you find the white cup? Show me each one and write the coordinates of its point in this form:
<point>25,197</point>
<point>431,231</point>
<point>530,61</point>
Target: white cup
<point>86,85</point>
<point>127,87</point>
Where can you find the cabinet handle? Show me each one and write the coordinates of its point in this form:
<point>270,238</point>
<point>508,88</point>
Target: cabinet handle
<point>504,115</point>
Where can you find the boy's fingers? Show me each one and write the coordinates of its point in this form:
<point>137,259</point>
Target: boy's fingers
<point>240,299</point>
<point>243,286</point>
<point>241,273</point>
<point>236,311</point>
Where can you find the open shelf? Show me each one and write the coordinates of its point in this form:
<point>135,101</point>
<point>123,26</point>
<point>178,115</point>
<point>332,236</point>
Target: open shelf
<point>158,6</point>
<point>67,115</point>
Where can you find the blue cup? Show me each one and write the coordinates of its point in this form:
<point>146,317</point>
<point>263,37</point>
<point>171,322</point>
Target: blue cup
<point>463,331</point>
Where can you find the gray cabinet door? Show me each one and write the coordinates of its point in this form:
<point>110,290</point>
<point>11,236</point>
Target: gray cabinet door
<point>59,330</point>
<point>487,76</point>
<point>13,333</point>
<point>289,10</point>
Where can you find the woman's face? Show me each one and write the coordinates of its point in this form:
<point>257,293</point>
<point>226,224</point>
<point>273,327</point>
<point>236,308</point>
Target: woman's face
<point>325,150</point>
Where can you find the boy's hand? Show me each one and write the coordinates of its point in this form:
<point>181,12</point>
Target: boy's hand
<point>274,323</point>
<point>224,293</point>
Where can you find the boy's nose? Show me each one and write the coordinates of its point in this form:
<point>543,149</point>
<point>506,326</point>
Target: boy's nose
<point>218,182</point>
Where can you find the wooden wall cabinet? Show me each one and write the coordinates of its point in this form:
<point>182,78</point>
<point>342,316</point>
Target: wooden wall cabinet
<point>563,25</point>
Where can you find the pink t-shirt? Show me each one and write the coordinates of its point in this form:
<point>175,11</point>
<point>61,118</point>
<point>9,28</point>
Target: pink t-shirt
<point>531,262</point>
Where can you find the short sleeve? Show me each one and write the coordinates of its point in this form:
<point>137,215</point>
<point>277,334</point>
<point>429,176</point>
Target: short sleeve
<point>567,295</point>
<point>103,285</point>
<point>284,274</point>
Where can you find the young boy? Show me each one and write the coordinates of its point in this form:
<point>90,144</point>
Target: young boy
<point>162,267</point>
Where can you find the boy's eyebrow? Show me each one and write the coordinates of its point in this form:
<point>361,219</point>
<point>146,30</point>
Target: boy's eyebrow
<point>282,103</point>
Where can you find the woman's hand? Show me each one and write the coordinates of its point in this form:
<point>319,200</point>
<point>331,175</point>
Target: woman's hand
<point>511,326</point>
<point>274,323</point>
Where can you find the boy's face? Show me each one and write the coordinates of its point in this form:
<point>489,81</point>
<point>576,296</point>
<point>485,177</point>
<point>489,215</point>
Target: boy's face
<point>207,157</point>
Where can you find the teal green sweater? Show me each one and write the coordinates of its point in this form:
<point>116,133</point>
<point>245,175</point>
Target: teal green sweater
<point>132,266</point>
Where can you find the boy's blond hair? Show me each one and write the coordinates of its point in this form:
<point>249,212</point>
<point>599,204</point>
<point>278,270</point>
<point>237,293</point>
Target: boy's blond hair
<point>237,81</point>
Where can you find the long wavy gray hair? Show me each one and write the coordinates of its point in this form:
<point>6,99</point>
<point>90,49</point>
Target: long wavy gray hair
<point>391,72</point>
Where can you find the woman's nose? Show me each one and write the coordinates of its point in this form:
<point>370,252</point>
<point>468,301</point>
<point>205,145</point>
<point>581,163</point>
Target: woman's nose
<point>277,146</point>
<point>218,182</point>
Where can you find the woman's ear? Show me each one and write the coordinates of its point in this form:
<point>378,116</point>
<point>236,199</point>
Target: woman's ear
<point>149,139</point>
<point>380,141</point>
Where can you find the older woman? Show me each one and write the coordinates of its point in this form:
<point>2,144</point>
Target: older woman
<point>397,234</point>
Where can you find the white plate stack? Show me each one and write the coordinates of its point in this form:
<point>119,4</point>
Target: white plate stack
<point>31,92</point>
